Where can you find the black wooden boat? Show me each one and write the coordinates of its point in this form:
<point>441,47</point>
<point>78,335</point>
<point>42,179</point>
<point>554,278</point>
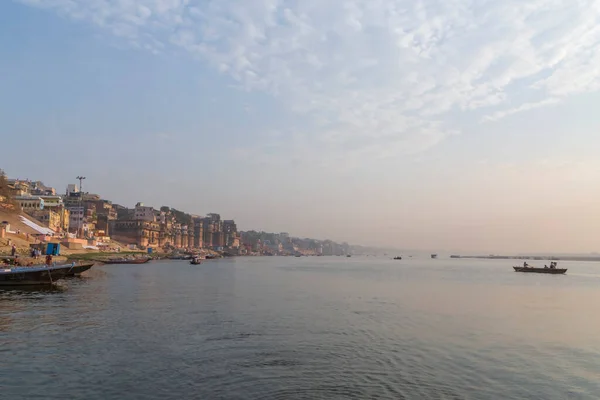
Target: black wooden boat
<point>79,269</point>
<point>37,275</point>
<point>557,271</point>
<point>398,258</point>
<point>195,261</point>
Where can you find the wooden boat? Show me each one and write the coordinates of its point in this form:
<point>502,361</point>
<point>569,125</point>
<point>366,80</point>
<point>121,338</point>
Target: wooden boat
<point>126,261</point>
<point>196,261</point>
<point>79,269</point>
<point>434,256</point>
<point>541,270</point>
<point>38,275</point>
<point>397,258</point>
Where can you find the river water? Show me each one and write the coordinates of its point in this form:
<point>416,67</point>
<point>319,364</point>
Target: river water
<point>305,328</point>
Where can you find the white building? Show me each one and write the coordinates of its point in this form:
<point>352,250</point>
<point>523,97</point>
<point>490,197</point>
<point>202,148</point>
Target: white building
<point>144,213</point>
<point>72,188</point>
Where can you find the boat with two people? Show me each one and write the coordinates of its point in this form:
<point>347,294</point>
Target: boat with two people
<point>546,270</point>
<point>196,261</point>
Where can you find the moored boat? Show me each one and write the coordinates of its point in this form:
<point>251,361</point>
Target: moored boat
<point>126,260</point>
<point>38,275</point>
<point>195,261</point>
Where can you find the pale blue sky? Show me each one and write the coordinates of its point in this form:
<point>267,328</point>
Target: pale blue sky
<point>446,125</point>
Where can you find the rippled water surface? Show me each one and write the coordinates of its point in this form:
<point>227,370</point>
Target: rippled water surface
<point>305,328</point>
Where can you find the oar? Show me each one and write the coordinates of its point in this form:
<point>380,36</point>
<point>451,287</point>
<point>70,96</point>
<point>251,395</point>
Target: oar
<point>49,274</point>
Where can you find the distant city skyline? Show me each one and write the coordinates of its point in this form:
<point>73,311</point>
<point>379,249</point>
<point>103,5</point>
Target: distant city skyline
<point>444,126</point>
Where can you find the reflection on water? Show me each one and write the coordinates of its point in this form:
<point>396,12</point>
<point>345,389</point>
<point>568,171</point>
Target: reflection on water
<point>305,328</point>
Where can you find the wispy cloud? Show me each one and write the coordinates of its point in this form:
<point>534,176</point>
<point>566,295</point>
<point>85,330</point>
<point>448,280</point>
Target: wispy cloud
<point>523,107</point>
<point>378,76</point>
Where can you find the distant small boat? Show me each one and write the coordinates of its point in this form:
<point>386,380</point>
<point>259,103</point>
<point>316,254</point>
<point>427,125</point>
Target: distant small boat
<point>434,256</point>
<point>397,258</point>
<point>196,261</point>
<point>126,261</point>
<point>348,255</point>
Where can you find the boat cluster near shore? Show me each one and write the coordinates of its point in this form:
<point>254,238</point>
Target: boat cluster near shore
<point>50,273</point>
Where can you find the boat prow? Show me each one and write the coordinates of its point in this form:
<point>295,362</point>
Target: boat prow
<point>79,269</point>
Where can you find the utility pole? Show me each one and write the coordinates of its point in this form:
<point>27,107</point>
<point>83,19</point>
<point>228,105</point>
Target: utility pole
<point>80,227</point>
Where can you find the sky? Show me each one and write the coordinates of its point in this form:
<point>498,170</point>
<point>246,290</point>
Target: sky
<point>443,125</point>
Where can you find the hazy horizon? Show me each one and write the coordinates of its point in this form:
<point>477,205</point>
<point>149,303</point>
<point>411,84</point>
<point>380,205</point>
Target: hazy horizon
<point>449,126</point>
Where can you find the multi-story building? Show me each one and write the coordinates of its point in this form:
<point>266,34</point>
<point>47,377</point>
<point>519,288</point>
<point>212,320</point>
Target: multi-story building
<point>38,188</point>
<point>218,240</point>
<point>230,231</point>
<point>76,219</point>
<point>65,219</point>
<point>138,232</point>
<point>19,187</point>
<point>208,228</point>
<point>198,232</point>
<point>30,203</point>
<point>50,218</point>
<point>73,199</point>
<point>144,213</point>
<point>105,213</point>
<point>52,201</point>
<point>72,188</point>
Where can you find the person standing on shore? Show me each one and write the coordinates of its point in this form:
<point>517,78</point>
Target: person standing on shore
<point>13,250</point>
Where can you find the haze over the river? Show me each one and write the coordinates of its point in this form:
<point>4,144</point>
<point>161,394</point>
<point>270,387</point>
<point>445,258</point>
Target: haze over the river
<point>443,125</point>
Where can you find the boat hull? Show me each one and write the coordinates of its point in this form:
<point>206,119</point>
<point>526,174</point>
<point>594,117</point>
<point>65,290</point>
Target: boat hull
<point>553,271</point>
<point>79,269</point>
<point>29,276</point>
